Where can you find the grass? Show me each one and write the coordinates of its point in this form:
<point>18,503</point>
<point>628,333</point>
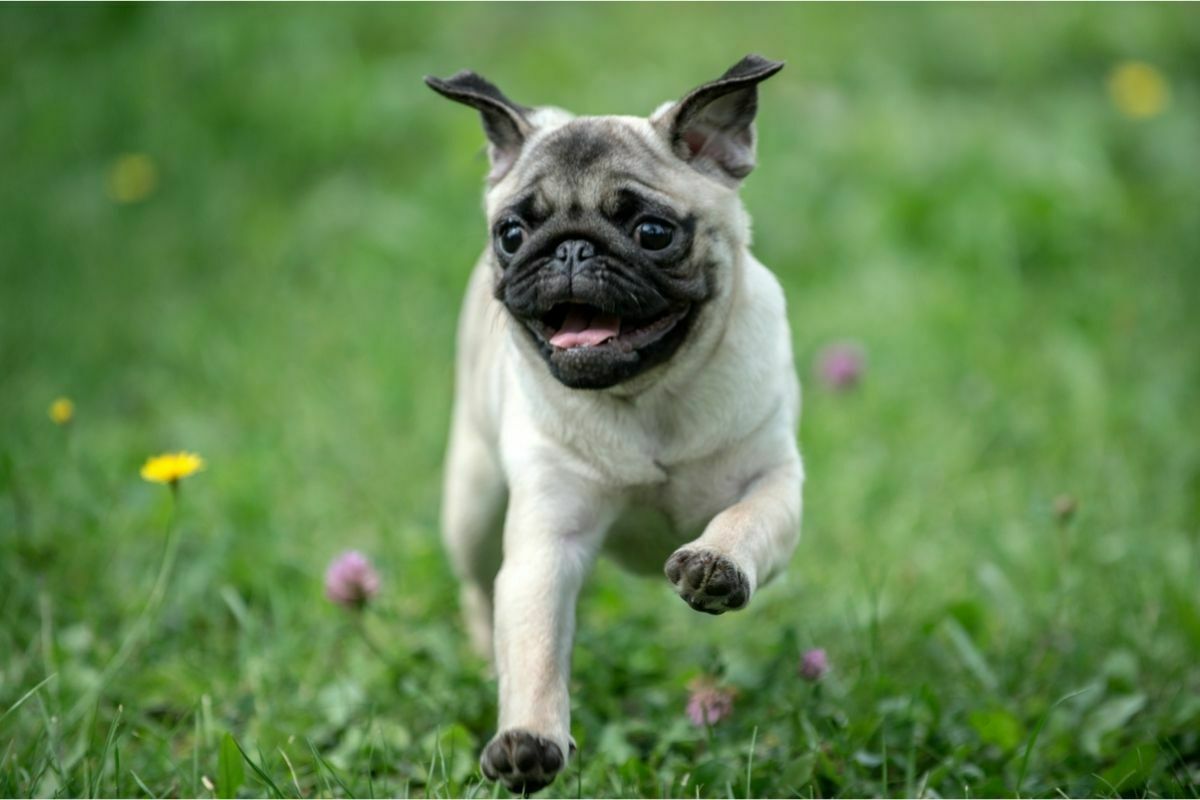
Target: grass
<point>952,187</point>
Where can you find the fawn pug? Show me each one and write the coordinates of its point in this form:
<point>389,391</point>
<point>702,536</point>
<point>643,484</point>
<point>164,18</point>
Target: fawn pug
<point>624,383</point>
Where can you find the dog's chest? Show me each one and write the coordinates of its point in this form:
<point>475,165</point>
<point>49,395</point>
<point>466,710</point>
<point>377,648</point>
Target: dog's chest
<point>657,518</point>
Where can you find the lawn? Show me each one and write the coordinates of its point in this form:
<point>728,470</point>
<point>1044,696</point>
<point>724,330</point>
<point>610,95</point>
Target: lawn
<point>245,231</point>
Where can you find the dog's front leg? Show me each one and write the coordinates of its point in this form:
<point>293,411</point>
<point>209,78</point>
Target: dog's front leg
<point>551,535</point>
<point>743,546</point>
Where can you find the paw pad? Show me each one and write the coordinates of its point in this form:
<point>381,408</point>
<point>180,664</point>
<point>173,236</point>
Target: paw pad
<point>523,761</point>
<point>707,580</point>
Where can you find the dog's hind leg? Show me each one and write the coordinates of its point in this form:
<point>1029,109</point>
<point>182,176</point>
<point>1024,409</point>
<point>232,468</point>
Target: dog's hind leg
<point>473,502</point>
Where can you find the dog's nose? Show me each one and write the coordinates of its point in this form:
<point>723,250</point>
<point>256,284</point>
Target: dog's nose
<point>574,252</point>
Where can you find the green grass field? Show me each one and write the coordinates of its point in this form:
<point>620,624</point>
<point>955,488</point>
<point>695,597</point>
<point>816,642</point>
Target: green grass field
<point>272,281</point>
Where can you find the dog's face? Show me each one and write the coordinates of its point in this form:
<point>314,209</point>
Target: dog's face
<point>600,266</point>
<point>609,235</point>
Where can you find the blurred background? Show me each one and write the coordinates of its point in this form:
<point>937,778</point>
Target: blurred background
<point>245,231</point>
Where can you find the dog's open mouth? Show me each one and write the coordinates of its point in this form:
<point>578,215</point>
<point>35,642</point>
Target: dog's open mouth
<point>578,325</point>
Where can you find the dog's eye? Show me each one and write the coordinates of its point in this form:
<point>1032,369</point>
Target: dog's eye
<point>511,237</point>
<point>653,234</point>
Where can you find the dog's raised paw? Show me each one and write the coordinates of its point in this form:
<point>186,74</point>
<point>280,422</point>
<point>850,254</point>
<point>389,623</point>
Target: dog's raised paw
<point>523,761</point>
<point>707,581</point>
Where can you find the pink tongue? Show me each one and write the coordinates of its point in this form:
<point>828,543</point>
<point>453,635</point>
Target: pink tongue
<point>582,329</point>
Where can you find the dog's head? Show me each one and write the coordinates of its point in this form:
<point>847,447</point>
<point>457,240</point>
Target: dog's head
<point>609,235</point>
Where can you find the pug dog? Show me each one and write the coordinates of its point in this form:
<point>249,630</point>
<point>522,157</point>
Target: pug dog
<point>624,382</point>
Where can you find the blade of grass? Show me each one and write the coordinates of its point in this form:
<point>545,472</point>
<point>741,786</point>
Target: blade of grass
<point>230,774</point>
<point>317,766</point>
<point>442,759</point>
<point>108,741</point>
<point>322,762</point>
<point>7,753</point>
<point>750,760</point>
<point>370,767</point>
<point>291,771</point>
<point>257,769</point>
<point>388,758</point>
<point>1037,730</point>
<point>197,740</point>
<point>1191,789</point>
<point>52,742</point>
<point>21,701</point>
<point>883,734</point>
<point>142,785</point>
<point>144,621</point>
<point>437,744</point>
<point>37,778</point>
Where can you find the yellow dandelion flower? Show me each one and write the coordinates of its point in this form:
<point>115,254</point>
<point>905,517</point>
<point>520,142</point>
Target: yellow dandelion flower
<point>62,411</point>
<point>1138,90</point>
<point>133,178</point>
<point>171,467</point>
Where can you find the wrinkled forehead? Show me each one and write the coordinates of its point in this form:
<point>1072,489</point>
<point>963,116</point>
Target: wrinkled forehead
<point>589,162</point>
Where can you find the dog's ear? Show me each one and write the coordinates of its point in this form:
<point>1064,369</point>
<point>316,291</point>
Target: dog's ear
<point>505,123</point>
<point>712,127</point>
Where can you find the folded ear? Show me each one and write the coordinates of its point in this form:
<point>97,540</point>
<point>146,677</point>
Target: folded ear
<point>505,123</point>
<point>712,127</point>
